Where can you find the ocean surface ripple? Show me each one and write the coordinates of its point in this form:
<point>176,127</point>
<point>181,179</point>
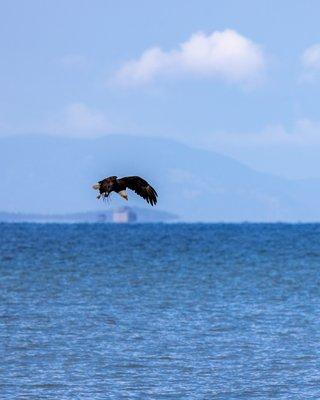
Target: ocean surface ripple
<point>199,311</point>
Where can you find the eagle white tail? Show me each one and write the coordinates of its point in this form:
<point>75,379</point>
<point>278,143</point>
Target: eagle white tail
<point>123,194</point>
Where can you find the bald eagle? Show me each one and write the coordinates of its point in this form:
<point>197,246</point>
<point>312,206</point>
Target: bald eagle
<point>135,183</point>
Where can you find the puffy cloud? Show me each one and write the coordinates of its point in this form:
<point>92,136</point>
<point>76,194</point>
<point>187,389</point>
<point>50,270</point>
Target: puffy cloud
<point>81,121</point>
<point>305,133</point>
<point>75,120</point>
<point>226,54</point>
<point>311,57</point>
<point>310,60</point>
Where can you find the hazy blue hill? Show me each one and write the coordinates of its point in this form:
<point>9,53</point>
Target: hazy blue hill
<point>54,175</point>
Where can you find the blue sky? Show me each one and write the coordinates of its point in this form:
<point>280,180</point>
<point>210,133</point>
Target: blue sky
<point>91,68</point>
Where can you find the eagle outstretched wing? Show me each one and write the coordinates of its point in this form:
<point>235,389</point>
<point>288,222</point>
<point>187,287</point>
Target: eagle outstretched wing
<point>141,187</point>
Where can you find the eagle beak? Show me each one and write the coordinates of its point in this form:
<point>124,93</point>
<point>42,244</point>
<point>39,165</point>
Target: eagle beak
<point>96,186</point>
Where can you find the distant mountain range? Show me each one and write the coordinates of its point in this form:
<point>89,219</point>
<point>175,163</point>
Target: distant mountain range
<point>53,175</point>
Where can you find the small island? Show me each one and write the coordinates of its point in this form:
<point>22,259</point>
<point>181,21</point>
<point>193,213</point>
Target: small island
<point>113,215</point>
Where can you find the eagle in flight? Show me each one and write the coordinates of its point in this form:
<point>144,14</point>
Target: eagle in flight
<point>135,183</point>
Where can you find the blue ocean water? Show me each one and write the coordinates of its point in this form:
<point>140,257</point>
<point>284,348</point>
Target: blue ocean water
<point>159,311</point>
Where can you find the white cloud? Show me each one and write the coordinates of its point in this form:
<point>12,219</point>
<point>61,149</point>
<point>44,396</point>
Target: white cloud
<point>310,60</point>
<point>311,57</point>
<point>221,54</point>
<point>305,133</point>
<point>80,121</point>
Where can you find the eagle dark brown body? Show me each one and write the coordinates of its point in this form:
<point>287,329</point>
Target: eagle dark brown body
<point>135,183</point>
